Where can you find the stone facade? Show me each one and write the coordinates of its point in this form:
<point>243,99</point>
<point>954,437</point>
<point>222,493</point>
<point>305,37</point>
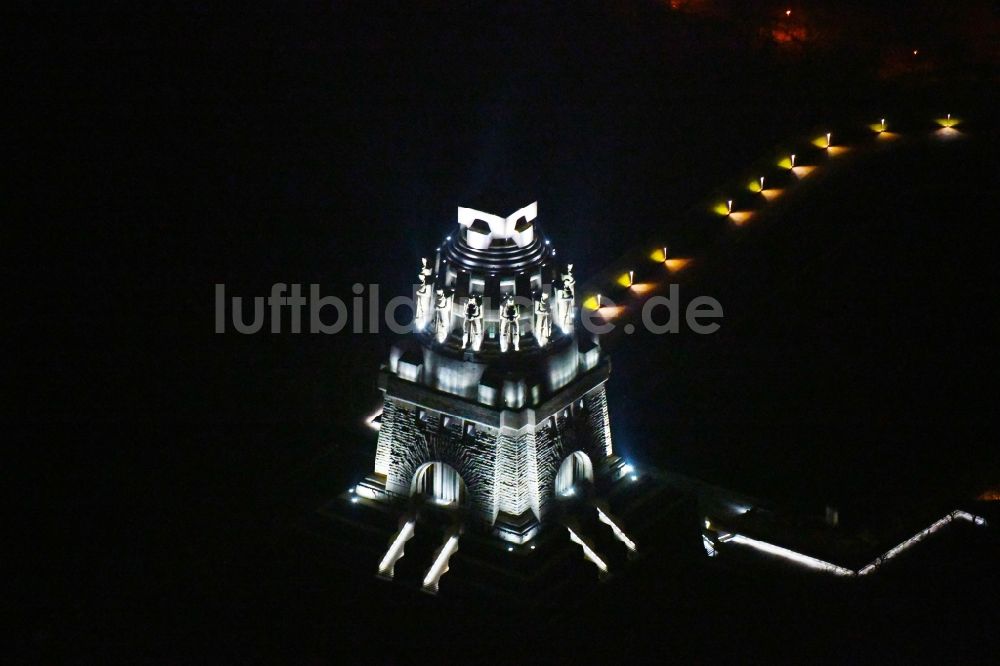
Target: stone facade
<point>504,470</point>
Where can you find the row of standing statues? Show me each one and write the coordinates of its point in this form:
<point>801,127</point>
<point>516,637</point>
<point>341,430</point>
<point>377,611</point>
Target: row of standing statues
<point>433,309</point>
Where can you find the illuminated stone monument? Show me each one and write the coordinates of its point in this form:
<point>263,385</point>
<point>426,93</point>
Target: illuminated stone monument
<point>496,401</point>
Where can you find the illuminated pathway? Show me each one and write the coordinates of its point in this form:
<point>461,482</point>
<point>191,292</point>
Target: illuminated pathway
<point>387,567</point>
<point>440,566</point>
<point>623,287</point>
<point>713,538</point>
<point>721,529</point>
<point>588,551</point>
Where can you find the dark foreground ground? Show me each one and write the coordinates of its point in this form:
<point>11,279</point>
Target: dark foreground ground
<point>167,468</point>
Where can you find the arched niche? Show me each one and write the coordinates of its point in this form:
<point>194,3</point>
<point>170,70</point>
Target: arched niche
<point>576,467</point>
<point>439,483</point>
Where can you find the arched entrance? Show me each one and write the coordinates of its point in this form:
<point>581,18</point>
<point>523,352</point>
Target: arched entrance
<point>439,483</point>
<point>575,468</point>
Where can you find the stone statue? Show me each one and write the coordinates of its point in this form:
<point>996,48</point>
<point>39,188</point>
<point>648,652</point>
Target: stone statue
<point>442,315</point>
<point>542,320</point>
<point>566,301</point>
<point>425,269</point>
<point>472,327</point>
<point>569,282</point>
<point>510,328</point>
<point>422,307</point>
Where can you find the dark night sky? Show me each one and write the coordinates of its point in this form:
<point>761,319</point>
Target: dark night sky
<point>154,155</point>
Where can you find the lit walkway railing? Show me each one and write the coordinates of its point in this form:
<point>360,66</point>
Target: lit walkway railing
<point>829,567</point>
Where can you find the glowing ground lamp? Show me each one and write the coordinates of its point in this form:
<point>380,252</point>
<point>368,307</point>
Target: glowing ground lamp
<point>627,279</point>
<point>880,128</point>
<point>825,142</point>
<point>787,162</point>
<point>947,121</point>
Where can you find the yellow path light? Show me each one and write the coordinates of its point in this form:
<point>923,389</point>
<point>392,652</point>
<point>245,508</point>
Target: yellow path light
<point>947,121</point>
<point>626,279</point>
<point>879,127</point>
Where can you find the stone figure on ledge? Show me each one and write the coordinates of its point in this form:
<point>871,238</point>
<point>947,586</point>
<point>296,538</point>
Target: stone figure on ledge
<point>542,320</point>
<point>442,315</point>
<point>510,327</point>
<point>566,301</point>
<point>422,307</point>
<point>472,327</point>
